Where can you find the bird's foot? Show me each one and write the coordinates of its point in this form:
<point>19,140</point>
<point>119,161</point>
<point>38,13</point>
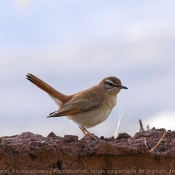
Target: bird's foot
<point>87,134</point>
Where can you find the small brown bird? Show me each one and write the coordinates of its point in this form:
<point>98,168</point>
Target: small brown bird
<point>87,108</point>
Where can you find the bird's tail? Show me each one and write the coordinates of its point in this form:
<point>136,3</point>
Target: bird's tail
<point>56,95</point>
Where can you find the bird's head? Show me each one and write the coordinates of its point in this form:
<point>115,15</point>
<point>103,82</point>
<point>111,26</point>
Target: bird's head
<point>111,85</point>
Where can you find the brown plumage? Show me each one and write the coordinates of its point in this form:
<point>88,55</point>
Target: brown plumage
<point>48,89</point>
<point>86,108</point>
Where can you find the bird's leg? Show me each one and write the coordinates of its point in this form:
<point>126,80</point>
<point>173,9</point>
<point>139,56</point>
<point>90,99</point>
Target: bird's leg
<point>87,133</point>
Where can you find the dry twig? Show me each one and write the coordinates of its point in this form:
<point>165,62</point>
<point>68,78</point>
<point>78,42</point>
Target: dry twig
<point>82,162</point>
<point>121,117</point>
<point>159,141</point>
<point>141,125</point>
<point>171,167</point>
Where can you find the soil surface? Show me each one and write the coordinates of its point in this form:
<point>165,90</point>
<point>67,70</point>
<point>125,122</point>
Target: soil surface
<point>30,153</point>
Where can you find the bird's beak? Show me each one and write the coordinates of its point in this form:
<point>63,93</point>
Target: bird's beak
<point>122,87</point>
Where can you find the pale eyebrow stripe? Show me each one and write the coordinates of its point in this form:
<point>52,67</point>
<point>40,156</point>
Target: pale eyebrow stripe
<point>108,81</point>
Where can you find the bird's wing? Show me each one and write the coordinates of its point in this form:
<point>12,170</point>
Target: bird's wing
<point>81,102</point>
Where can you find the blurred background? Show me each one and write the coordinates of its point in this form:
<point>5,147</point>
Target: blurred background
<point>72,45</point>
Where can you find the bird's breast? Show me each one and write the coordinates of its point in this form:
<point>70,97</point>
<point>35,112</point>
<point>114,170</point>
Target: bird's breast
<point>111,101</point>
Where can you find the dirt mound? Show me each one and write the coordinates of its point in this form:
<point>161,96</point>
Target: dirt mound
<point>30,153</point>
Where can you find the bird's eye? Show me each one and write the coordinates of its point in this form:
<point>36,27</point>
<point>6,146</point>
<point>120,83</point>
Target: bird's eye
<point>109,84</point>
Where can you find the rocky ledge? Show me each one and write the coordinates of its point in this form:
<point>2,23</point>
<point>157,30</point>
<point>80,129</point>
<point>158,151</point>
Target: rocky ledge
<point>29,153</point>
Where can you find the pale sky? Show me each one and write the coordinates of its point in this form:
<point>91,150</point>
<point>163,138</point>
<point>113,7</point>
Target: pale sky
<point>72,45</point>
